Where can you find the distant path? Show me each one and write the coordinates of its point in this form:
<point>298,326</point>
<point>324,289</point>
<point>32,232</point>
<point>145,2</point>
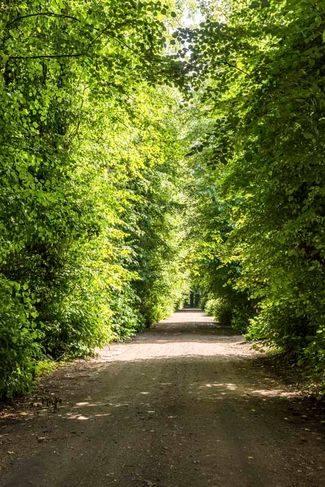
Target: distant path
<point>182,405</point>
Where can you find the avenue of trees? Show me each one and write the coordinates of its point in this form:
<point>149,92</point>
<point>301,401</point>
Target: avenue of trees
<point>142,154</point>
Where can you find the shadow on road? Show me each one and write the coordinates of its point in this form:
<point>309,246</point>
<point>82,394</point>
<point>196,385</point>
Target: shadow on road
<point>185,404</point>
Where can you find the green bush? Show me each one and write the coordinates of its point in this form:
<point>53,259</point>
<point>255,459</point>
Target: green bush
<point>19,338</point>
<point>220,309</point>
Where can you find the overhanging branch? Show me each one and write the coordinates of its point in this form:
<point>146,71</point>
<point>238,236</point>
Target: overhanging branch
<point>42,14</point>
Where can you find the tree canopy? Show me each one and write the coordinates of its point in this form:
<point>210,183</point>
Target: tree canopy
<point>143,154</point>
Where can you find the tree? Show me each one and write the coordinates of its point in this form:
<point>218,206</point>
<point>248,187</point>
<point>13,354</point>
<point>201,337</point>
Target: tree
<point>76,154</point>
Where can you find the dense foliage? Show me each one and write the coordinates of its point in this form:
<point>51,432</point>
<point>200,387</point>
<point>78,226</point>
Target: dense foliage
<point>90,213</point>
<point>101,213</point>
<point>256,71</point>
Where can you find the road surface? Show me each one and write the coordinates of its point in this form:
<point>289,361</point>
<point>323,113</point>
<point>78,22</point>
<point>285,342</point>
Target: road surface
<point>185,404</point>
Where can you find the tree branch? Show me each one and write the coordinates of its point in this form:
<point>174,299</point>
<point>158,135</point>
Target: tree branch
<point>43,14</point>
<point>70,17</point>
<point>235,67</point>
<point>49,56</point>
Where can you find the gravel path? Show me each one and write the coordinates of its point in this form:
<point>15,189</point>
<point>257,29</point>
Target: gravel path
<point>185,404</point>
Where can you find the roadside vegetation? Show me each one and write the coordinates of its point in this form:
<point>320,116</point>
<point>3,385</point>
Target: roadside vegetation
<point>91,203</point>
<point>141,154</point>
<point>257,71</point>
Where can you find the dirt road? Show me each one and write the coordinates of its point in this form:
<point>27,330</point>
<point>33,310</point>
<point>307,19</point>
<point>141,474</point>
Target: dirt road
<point>185,404</point>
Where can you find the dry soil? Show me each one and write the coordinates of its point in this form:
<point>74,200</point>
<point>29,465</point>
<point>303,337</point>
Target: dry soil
<point>185,404</point>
